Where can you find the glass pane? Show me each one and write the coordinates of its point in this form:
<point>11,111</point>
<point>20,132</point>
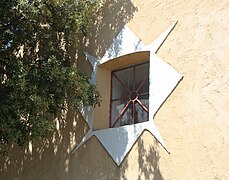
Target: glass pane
<point>116,109</point>
<point>126,119</point>
<point>141,115</point>
<point>126,76</point>
<point>118,89</point>
<point>142,73</point>
<point>144,100</point>
<point>145,87</point>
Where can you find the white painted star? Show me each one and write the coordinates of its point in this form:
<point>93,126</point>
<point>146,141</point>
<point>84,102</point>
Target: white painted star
<point>162,79</point>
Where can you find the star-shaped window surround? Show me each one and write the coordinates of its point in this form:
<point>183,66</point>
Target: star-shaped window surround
<point>162,80</point>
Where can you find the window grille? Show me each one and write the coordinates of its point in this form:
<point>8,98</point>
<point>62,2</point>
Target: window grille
<point>129,95</point>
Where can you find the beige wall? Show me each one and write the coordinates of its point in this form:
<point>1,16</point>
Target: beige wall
<point>101,113</point>
<point>193,121</point>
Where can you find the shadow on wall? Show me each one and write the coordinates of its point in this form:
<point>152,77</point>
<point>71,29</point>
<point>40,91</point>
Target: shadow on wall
<point>52,159</point>
<point>41,159</point>
<point>110,20</point>
<point>147,162</point>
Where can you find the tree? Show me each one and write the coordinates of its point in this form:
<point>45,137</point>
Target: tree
<point>38,76</point>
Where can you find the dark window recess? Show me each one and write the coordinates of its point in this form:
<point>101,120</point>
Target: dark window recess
<point>130,95</point>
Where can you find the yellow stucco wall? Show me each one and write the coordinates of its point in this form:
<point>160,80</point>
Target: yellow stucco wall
<point>193,121</point>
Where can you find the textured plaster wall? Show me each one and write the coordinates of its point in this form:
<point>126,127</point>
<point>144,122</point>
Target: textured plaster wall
<point>193,121</point>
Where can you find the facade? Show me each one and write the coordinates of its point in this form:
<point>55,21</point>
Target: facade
<point>192,121</point>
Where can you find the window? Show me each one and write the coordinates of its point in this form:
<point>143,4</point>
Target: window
<point>129,102</point>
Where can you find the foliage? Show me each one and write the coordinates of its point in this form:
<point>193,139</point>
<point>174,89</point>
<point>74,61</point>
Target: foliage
<point>37,71</point>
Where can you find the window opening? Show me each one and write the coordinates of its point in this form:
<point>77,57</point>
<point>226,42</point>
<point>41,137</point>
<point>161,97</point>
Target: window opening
<point>129,95</point>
